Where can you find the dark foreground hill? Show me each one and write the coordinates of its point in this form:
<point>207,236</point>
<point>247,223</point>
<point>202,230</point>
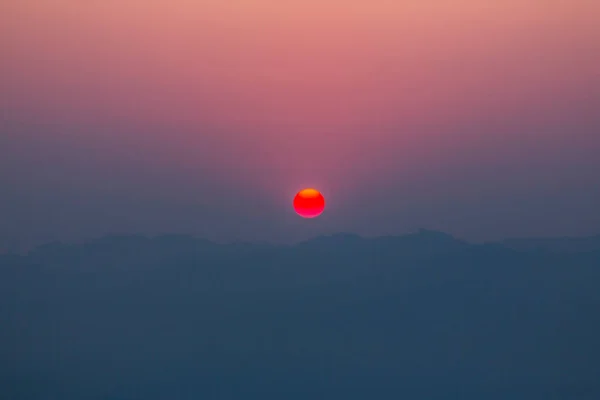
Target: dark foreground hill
<point>422,316</point>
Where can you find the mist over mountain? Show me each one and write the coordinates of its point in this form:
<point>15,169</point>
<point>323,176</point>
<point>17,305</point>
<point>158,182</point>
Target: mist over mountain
<point>421,316</point>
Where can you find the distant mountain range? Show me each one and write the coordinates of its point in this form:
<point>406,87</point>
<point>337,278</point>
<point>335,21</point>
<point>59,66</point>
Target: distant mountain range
<point>416,316</point>
<point>562,244</point>
<point>423,239</point>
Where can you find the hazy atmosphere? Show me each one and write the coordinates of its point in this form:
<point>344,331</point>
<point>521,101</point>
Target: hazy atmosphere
<point>205,117</point>
<point>299,200</point>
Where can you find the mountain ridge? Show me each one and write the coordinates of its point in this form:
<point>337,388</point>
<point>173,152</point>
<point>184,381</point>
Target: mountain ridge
<point>417,316</point>
<point>340,239</point>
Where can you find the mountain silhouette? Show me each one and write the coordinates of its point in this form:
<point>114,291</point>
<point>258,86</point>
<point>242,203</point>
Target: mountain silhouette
<point>571,244</point>
<point>423,315</point>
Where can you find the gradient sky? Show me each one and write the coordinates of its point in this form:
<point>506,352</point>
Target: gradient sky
<point>479,118</point>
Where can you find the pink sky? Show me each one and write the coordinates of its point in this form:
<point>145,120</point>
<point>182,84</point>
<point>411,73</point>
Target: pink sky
<point>366,100</point>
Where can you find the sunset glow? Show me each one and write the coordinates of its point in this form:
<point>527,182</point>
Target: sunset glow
<point>415,113</point>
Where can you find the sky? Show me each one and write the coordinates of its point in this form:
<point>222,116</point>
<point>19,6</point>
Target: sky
<point>476,118</point>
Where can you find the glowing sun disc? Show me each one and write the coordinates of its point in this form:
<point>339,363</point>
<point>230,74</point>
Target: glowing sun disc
<point>309,203</point>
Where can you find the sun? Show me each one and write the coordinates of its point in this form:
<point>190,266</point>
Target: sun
<point>309,203</point>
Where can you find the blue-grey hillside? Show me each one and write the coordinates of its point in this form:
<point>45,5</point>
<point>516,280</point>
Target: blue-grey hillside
<point>421,316</point>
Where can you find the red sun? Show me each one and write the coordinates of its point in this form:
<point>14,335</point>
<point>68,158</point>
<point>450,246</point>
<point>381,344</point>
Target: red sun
<point>309,203</point>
